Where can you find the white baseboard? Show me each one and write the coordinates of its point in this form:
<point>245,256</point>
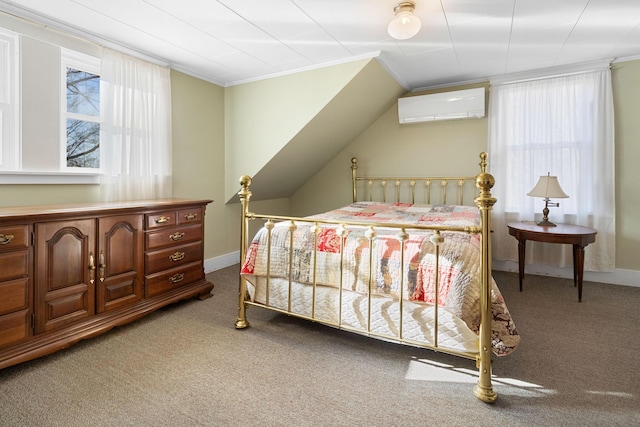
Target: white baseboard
<point>222,261</point>
<point>615,277</point>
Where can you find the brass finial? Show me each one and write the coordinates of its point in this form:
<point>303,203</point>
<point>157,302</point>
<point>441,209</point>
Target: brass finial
<point>245,180</point>
<point>483,162</point>
<point>484,182</point>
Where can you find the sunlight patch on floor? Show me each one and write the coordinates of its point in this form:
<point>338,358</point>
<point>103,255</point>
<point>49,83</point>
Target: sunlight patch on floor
<point>611,393</point>
<point>427,370</point>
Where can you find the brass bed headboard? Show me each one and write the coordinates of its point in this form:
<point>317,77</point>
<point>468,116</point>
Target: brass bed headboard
<point>401,183</point>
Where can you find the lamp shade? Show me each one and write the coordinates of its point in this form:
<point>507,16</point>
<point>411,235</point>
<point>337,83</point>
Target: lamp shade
<point>405,24</point>
<point>548,187</point>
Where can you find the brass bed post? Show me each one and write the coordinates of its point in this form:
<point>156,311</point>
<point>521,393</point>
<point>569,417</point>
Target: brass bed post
<point>245,195</point>
<point>354,178</point>
<point>485,181</point>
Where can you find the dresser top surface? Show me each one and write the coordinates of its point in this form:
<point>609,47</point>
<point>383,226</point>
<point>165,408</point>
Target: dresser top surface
<point>98,207</point>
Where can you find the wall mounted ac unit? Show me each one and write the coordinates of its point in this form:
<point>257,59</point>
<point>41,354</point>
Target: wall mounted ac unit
<point>459,104</point>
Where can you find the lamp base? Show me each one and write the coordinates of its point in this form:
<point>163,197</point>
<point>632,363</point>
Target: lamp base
<point>545,215</point>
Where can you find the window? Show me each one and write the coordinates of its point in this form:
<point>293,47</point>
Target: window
<point>9,107</point>
<point>81,139</point>
<point>63,135</point>
<point>561,125</point>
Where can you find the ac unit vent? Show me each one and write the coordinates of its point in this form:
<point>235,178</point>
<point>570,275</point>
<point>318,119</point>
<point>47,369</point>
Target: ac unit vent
<point>455,105</point>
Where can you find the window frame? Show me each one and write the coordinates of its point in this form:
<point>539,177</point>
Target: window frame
<point>10,130</point>
<point>81,62</point>
<point>17,175</point>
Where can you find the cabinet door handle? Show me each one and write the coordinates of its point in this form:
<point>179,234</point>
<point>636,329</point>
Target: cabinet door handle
<point>92,268</point>
<point>190,216</point>
<point>103,266</point>
<point>162,220</point>
<point>176,236</point>
<point>5,239</point>
<point>176,256</point>
<point>176,278</point>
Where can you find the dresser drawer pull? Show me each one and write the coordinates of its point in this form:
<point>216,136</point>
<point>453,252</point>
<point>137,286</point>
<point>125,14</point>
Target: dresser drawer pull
<point>176,256</point>
<point>190,216</point>
<point>92,268</point>
<point>5,239</point>
<point>102,266</point>
<point>162,220</point>
<point>176,236</point>
<point>176,278</point>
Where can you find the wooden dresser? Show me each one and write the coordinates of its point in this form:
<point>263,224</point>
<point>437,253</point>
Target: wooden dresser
<point>70,272</point>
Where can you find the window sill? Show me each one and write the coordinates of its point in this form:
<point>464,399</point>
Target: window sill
<point>8,178</point>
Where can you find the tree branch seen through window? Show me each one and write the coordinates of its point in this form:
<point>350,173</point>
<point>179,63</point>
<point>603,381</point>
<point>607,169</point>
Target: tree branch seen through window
<point>83,119</point>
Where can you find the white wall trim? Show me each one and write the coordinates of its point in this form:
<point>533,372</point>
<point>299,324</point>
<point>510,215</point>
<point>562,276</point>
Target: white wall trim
<point>615,277</point>
<point>222,261</point>
<point>544,73</point>
<point>31,178</point>
<point>374,54</point>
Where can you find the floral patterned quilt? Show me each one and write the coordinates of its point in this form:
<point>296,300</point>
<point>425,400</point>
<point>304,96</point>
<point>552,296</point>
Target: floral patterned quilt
<point>377,265</point>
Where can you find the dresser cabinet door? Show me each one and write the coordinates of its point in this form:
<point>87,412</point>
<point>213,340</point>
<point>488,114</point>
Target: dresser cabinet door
<point>65,273</point>
<point>120,261</point>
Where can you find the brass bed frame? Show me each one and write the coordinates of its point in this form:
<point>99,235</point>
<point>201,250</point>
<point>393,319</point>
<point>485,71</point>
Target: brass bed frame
<point>484,201</point>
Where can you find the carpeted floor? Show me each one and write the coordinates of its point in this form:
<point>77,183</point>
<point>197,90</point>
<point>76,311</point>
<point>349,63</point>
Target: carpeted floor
<point>186,365</point>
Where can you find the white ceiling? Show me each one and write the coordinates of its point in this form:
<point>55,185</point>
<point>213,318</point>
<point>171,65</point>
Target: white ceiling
<point>229,42</point>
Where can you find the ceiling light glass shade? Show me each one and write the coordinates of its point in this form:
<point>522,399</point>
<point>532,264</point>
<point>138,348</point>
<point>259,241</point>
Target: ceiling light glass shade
<point>405,24</point>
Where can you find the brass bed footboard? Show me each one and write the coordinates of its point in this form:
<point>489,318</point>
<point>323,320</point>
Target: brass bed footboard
<point>484,201</point>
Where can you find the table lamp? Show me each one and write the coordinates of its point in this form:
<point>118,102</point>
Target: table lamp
<point>548,188</point>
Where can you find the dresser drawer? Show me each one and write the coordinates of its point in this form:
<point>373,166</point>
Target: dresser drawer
<point>161,219</point>
<point>14,265</point>
<point>173,279</point>
<point>14,238</point>
<point>190,216</point>
<point>14,327</point>
<point>174,236</point>
<point>14,295</point>
<point>172,257</point>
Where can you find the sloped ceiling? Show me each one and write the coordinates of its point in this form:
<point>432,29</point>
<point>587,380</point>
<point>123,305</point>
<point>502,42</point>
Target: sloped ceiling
<point>360,103</point>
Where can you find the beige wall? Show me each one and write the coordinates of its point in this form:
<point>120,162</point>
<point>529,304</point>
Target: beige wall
<point>198,116</point>
<point>626,97</point>
<point>387,148</point>
<point>197,110</point>
<point>262,117</point>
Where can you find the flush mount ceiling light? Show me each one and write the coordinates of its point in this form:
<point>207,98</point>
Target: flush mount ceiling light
<point>405,24</point>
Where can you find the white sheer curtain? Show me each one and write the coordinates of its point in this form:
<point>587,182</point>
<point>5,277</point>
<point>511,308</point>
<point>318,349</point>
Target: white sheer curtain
<point>562,125</point>
<point>135,130</point>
